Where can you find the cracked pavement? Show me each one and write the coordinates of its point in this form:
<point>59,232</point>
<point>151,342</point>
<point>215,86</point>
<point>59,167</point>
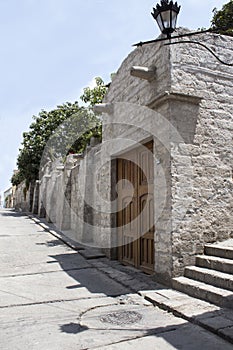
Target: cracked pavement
<point>52,298</point>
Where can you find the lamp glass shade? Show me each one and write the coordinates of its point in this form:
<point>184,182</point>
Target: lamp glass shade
<point>166,16</point>
<point>174,19</point>
<point>159,20</point>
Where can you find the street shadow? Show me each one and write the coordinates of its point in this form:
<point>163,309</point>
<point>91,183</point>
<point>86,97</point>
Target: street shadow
<point>71,260</point>
<point>52,243</point>
<point>73,328</point>
<point>184,336</point>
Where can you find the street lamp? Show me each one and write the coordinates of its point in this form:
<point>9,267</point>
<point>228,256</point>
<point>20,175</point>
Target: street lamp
<point>166,16</point>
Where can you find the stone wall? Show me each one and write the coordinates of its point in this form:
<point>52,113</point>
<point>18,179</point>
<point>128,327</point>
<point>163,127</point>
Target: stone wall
<point>67,196</point>
<point>22,197</point>
<point>193,92</point>
<point>209,215</point>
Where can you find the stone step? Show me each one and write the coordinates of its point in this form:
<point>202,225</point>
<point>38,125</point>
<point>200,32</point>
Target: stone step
<point>218,250</point>
<point>215,263</point>
<point>200,290</point>
<point>213,277</point>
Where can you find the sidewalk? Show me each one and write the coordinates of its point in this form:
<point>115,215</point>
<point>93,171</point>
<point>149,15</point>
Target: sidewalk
<point>52,298</point>
<point>209,316</point>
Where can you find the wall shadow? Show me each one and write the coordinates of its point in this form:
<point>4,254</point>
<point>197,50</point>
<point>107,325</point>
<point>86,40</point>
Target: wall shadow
<point>87,276</point>
<point>11,213</point>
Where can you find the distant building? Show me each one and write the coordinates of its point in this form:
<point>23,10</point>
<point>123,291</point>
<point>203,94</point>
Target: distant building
<point>7,197</point>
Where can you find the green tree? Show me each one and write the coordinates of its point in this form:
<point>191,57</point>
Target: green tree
<point>66,129</point>
<point>17,178</point>
<point>222,21</point>
<point>95,95</point>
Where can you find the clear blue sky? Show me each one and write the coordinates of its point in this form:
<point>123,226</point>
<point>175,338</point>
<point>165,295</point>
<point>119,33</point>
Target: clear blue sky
<point>51,49</point>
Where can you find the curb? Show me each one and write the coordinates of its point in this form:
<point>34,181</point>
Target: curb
<point>211,317</point>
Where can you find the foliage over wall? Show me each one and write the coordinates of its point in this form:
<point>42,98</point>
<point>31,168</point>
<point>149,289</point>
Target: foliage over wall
<point>95,95</point>
<point>222,21</point>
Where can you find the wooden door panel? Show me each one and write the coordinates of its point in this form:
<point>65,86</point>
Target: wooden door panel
<point>127,208</point>
<point>146,205</point>
<point>136,208</point>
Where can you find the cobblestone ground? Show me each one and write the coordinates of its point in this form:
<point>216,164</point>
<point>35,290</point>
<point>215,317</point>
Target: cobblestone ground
<point>53,298</point>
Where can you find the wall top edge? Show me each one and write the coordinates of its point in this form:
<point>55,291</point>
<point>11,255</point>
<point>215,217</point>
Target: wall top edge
<point>172,95</point>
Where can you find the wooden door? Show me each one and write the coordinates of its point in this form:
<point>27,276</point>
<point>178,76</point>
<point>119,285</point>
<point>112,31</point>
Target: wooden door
<point>135,208</point>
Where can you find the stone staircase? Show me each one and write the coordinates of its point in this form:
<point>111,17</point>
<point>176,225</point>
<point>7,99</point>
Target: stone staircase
<point>211,279</point>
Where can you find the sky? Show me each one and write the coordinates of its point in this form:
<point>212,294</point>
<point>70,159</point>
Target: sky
<point>52,49</point>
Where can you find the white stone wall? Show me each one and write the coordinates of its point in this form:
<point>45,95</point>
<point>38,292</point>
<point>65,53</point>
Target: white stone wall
<point>68,196</point>
<point>85,207</point>
<point>209,215</point>
<point>22,197</point>
<point>193,91</point>
<point>126,88</point>
<point>134,121</point>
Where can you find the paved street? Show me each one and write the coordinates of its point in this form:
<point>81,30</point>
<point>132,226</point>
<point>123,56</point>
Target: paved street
<point>52,298</point>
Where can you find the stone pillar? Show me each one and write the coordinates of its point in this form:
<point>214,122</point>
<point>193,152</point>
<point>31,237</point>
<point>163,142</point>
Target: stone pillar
<point>35,205</point>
